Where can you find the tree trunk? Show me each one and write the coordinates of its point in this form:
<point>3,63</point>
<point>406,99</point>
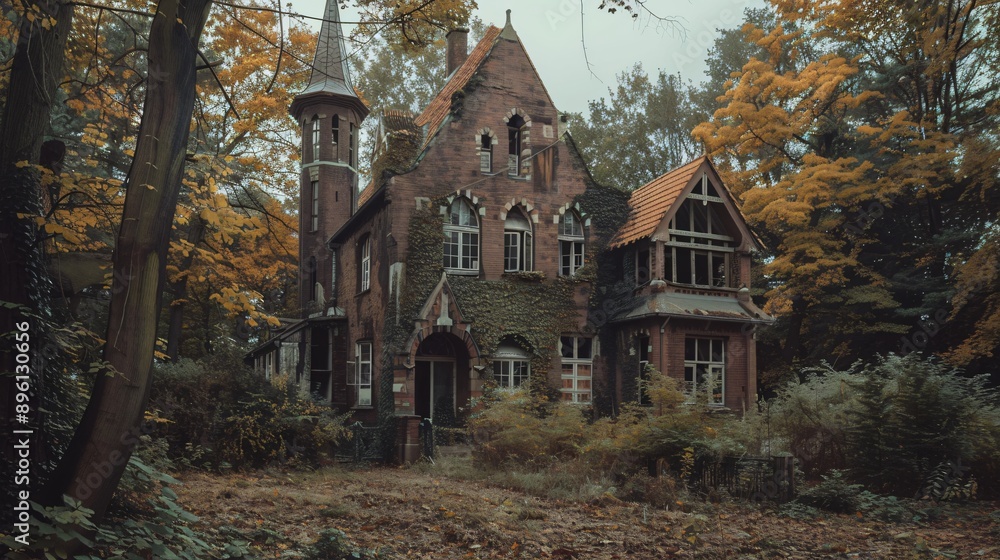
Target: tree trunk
<point>96,458</point>
<point>179,289</point>
<point>35,74</point>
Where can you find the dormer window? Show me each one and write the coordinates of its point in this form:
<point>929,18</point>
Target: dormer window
<point>515,133</point>
<point>315,137</point>
<point>700,248</point>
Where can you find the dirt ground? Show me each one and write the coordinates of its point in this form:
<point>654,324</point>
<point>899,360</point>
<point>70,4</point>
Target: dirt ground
<point>418,513</point>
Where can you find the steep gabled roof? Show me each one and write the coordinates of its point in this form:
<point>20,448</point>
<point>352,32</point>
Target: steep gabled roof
<point>657,201</point>
<point>651,202</point>
<point>437,110</point>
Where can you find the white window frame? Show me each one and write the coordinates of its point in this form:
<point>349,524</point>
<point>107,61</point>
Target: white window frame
<point>705,373</point>
<point>571,244</point>
<point>461,232</point>
<point>361,377</point>
<point>517,243</point>
<point>316,124</point>
<point>577,369</point>
<point>511,366</point>
<point>365,265</point>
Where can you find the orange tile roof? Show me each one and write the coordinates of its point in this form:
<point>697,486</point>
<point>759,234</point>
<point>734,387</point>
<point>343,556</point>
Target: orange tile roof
<point>366,193</point>
<point>651,202</point>
<point>434,114</point>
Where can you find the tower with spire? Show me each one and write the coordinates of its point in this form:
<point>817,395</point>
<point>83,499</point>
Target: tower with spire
<point>330,115</point>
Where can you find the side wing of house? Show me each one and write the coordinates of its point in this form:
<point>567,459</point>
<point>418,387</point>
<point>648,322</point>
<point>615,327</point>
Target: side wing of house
<point>687,248</point>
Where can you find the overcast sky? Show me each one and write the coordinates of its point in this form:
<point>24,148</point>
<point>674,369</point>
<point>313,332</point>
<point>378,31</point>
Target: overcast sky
<point>551,33</point>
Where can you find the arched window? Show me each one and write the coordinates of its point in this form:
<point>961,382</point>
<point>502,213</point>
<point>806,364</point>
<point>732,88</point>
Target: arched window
<point>517,243</point>
<point>485,153</point>
<point>515,132</point>
<point>461,233</point>
<point>365,265</point>
<point>511,365</point>
<point>315,137</point>
<point>570,244</point>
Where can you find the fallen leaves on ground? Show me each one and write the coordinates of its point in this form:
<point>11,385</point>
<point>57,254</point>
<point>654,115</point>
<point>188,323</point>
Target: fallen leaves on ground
<point>412,514</point>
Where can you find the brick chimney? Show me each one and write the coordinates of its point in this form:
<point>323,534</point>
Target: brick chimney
<point>458,48</point>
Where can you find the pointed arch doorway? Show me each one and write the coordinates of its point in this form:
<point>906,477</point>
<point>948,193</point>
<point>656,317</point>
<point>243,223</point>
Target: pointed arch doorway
<point>441,378</point>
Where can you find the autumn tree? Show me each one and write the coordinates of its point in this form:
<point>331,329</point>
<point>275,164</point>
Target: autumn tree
<point>858,140</point>
<point>641,130</point>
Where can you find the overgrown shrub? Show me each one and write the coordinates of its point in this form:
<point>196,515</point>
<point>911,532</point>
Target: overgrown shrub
<point>548,444</point>
<point>279,425</point>
<point>219,413</point>
<point>891,424</point>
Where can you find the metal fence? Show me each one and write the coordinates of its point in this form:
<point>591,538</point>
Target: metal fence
<point>747,478</point>
<point>365,444</point>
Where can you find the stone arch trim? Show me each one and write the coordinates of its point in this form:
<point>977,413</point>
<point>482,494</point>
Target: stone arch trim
<point>467,195</point>
<point>459,331</point>
<point>571,206</point>
<point>517,111</point>
<point>526,207</point>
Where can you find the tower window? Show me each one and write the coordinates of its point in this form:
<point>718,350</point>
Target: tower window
<point>312,278</point>
<point>315,137</point>
<point>314,211</point>
<point>515,133</point>
<point>351,146</point>
<point>335,130</point>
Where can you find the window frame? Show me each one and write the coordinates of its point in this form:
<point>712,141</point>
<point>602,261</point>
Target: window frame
<point>316,135</point>
<point>712,363</point>
<point>314,207</point>
<point>515,144</point>
<point>511,362</point>
<point>365,264</point>
<point>572,245</point>
<point>576,362</point>
<point>467,248</point>
<point>485,153</point>
<point>361,377</point>
<point>518,236</point>
<point>698,231</point>
<point>335,132</point>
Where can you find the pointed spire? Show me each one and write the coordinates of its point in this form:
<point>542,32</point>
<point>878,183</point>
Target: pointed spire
<point>330,72</point>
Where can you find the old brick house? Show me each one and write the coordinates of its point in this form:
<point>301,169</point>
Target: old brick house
<point>484,253</point>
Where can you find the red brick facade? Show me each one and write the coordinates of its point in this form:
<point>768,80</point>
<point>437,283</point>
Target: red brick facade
<point>440,364</point>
